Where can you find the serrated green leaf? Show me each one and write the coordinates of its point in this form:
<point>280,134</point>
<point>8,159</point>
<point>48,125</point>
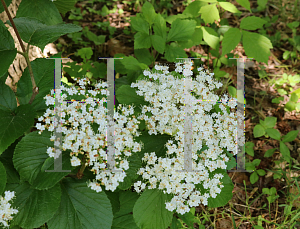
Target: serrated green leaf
<point>86,207</point>
<point>270,152</point>
<point>139,24</point>
<point>43,10</point>
<point>142,40</point>
<point>172,52</point>
<point>229,7</point>
<point>290,136</point>
<point>8,100</point>
<point>258,131</point>
<point>158,43</point>
<point>13,125</point>
<point>254,177</point>
<point>150,210</point>
<point>181,30</point>
<point>284,150</point>
<point>8,51</point>
<point>65,6</point>
<point>159,27</point>
<point>230,40</point>
<point>210,37</point>
<point>127,201</point>
<point>225,195</point>
<point>261,50</point>
<point>124,222</point>
<point>149,12</point>
<point>245,4</point>
<point>143,56</point>
<point>31,160</point>
<point>252,23</point>
<point>35,206</point>
<point>209,13</point>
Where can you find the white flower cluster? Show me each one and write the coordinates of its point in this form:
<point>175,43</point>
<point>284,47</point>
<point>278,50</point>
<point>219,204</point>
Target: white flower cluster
<point>216,131</point>
<point>79,137</point>
<point>5,208</point>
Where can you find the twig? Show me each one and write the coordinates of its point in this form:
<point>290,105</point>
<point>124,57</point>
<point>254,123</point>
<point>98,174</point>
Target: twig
<point>35,89</point>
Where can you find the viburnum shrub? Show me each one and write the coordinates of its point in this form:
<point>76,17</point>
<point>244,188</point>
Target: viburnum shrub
<point>5,208</point>
<point>87,143</point>
<point>212,132</point>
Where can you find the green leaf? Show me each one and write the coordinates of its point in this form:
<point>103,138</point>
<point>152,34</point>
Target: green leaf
<point>230,40</point>
<point>114,200</point>
<point>261,172</point>
<point>150,210</point>
<point>249,148</point>
<point>261,50</point>
<point>149,12</point>
<point>245,4</point>
<point>277,100</point>
<point>124,222</point>
<point>193,9</point>
<point>3,179</point>
<point>197,36</point>
<point>6,159</point>
<point>43,10</point>
<point>294,98</point>
<point>269,126</point>
<point>229,7</point>
<point>35,206</point>
<point>252,23</point>
<point>284,150</point>
<point>151,143</point>
<point>232,91</point>
<point>254,177</point>
<point>14,124</point>
<point>172,52</point>
<point>142,40</point>
<point>7,2</point>
<point>65,6</point>
<point>143,56</point>
<point>8,100</point>
<point>270,152</point>
<point>127,95</point>
<point>290,106</point>
<point>31,160</point>
<point>286,55</point>
<point>8,51</point>
<point>293,80</point>
<point>209,13</point>
<point>290,136</point>
<point>159,27</point>
<point>256,162</point>
<point>127,201</point>
<point>158,43</point>
<point>258,131</point>
<point>210,37</point>
<point>181,30</point>
<point>43,71</point>
<point>135,164</point>
<point>86,207</point>
<point>139,24</point>
<point>270,122</point>
<point>225,195</point>
<point>273,133</point>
